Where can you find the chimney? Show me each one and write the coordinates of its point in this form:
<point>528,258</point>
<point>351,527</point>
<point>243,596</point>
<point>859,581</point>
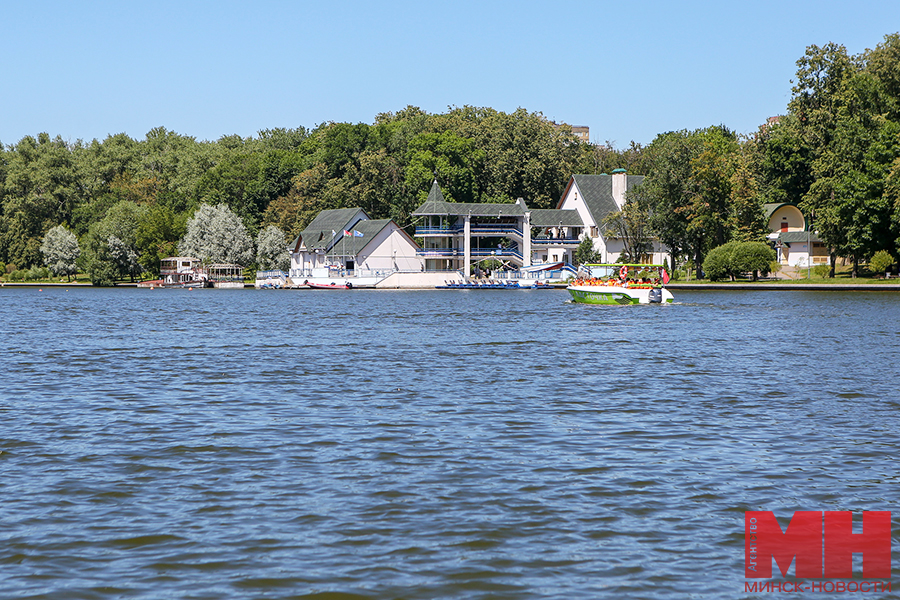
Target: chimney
<point>619,185</point>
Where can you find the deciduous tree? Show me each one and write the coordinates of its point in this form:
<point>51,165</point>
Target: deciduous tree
<point>61,251</point>
<point>271,250</point>
<point>216,235</point>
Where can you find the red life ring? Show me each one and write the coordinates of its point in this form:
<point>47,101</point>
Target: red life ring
<point>623,272</point>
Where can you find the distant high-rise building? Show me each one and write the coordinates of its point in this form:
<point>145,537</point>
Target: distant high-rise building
<point>581,132</point>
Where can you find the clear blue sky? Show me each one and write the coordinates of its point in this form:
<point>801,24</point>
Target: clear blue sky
<point>627,69</point>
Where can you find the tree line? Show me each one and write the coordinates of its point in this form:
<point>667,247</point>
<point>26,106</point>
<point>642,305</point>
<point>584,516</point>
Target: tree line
<point>835,153</point>
<point>128,202</point>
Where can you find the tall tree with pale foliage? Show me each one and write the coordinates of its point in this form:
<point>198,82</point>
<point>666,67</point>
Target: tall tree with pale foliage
<point>271,250</point>
<point>216,235</point>
<point>61,251</point>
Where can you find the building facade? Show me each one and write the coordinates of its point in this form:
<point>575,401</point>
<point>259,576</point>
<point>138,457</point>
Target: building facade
<point>595,198</point>
<point>458,235</point>
<point>346,242</point>
<point>795,243</point>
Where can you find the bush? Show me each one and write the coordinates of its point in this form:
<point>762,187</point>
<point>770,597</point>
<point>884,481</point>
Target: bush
<point>821,271</point>
<point>734,258</point>
<point>36,273</point>
<point>753,257</point>
<point>774,266</point>
<point>719,262</point>
<point>880,262</point>
<point>17,275</point>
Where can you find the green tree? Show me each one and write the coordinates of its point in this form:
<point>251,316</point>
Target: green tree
<point>585,253</point>
<point>307,197</point>
<point>40,190</point>
<point>746,217</point>
<point>632,226</point>
<point>752,257</point>
<point>453,160</point>
<point>689,189</point>
<point>844,107</point>
<point>735,258</point>
<point>881,261</point>
<point>719,262</point>
<point>110,246</point>
<point>157,237</point>
<point>783,165</point>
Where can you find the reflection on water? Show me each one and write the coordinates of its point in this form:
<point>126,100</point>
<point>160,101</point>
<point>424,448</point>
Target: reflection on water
<point>431,444</point>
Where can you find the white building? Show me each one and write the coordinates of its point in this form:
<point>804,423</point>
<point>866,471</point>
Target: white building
<point>795,243</point>
<point>345,242</point>
<point>457,235</point>
<point>594,198</point>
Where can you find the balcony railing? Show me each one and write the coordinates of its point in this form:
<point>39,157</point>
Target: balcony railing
<point>475,252</point>
<point>475,228</point>
<point>495,228</point>
<point>436,230</point>
<point>543,241</point>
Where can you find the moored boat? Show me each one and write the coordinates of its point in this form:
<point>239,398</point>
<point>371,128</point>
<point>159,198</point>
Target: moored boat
<point>621,284</point>
<point>328,286</point>
<point>182,271</point>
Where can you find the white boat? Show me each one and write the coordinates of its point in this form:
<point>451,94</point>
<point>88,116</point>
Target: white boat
<point>621,284</point>
<point>182,271</point>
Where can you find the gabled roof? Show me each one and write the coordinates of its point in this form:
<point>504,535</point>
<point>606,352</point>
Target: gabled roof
<point>552,217</point>
<point>352,245</point>
<point>318,234</point>
<point>596,191</point>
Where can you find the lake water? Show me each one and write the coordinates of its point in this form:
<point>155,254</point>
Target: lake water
<point>217,444</point>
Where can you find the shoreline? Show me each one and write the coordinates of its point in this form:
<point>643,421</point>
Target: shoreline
<point>739,286</point>
<point>765,286</point>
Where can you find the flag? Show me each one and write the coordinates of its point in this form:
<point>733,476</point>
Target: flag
<point>357,233</point>
<point>665,277</point>
<point>347,233</point>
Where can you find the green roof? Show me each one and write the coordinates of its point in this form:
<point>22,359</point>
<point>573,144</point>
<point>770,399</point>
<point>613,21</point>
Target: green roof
<point>352,245</point>
<point>318,234</point>
<point>769,208</point>
<point>485,209</point>
<point>795,237</point>
<point>596,191</point>
<point>436,205</point>
<point>552,217</point>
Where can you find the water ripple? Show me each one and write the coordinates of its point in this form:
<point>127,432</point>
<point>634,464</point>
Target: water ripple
<point>427,444</point>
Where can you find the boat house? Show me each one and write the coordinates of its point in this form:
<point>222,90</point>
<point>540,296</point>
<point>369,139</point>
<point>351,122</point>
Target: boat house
<point>345,242</point>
